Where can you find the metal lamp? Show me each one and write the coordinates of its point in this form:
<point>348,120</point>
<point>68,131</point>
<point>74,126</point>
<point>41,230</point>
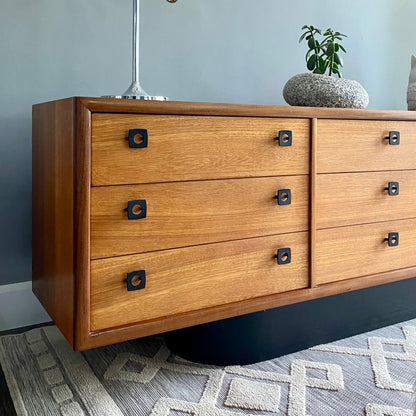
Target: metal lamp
<point>135,91</point>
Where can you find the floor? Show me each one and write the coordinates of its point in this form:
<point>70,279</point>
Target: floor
<point>6,404</point>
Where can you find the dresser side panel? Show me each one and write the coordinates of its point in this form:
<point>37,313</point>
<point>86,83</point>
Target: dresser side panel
<point>53,211</point>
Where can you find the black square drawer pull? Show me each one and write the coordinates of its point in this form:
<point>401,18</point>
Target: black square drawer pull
<point>393,138</point>
<point>284,197</point>
<point>138,138</point>
<point>283,256</point>
<point>285,138</point>
<point>136,209</point>
<point>392,239</point>
<point>393,188</point>
<point>136,280</point>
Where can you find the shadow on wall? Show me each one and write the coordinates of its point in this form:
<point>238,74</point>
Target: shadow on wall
<point>15,199</point>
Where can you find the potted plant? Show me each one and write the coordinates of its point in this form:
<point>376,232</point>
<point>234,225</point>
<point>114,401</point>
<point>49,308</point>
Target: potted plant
<point>315,88</point>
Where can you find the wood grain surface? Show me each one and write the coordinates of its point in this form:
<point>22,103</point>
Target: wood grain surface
<point>312,202</point>
<point>182,148</point>
<point>53,211</point>
<point>195,278</point>
<point>181,214</point>
<point>360,145</point>
<point>357,198</point>
<point>82,225</point>
<point>114,105</point>
<point>172,322</point>
<point>360,250</point>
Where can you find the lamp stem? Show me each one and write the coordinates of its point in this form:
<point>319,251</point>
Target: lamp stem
<point>135,91</point>
<point>136,41</point>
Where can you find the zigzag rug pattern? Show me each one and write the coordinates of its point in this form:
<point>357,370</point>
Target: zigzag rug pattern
<point>370,374</point>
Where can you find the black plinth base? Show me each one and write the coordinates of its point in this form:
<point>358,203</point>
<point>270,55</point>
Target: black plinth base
<point>264,335</point>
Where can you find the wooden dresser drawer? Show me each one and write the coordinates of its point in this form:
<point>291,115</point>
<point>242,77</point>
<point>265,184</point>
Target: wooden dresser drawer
<point>360,250</point>
<point>357,198</point>
<point>361,145</point>
<point>181,148</point>
<point>188,213</point>
<point>193,278</point>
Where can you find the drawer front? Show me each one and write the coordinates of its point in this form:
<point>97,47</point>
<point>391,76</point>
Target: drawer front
<point>188,213</point>
<point>357,198</point>
<point>360,145</point>
<point>194,278</point>
<point>181,148</point>
<point>361,250</point>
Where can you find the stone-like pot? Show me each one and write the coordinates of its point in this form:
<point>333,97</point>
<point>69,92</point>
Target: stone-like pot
<point>314,90</point>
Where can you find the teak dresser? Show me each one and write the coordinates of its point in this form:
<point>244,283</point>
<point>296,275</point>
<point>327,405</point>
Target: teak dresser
<point>155,216</point>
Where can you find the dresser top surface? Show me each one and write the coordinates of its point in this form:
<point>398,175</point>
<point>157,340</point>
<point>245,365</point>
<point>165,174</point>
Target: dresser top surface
<point>115,105</point>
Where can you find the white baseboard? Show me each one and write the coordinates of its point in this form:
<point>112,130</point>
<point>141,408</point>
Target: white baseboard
<point>20,307</point>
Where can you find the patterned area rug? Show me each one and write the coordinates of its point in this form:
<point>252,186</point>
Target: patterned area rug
<point>371,374</point>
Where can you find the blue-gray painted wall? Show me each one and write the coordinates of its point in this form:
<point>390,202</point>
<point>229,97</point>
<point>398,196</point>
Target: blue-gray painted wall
<point>236,51</point>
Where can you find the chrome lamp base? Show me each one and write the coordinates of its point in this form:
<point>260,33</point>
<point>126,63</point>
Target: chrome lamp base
<point>139,97</point>
<point>136,92</point>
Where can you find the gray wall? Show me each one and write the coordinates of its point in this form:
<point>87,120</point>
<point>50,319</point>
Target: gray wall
<point>236,51</point>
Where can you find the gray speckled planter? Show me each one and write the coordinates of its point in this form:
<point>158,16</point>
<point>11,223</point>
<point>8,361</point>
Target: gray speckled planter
<point>313,90</point>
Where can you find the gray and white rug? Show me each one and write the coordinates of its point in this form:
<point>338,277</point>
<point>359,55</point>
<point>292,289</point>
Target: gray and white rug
<point>371,374</point>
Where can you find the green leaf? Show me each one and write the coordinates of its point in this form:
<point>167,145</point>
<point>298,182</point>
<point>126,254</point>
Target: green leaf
<point>338,59</point>
<point>336,47</point>
<point>302,37</point>
<point>311,42</point>
<point>304,27</point>
<point>311,62</point>
<point>327,40</point>
<point>330,50</point>
<point>342,48</point>
<point>323,64</point>
<point>317,71</point>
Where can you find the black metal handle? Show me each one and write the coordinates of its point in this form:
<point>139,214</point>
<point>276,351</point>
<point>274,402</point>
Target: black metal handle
<point>393,188</point>
<point>136,209</point>
<point>284,197</point>
<point>285,138</point>
<point>138,138</point>
<point>283,256</point>
<point>136,280</point>
<point>392,239</point>
<point>393,138</point>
